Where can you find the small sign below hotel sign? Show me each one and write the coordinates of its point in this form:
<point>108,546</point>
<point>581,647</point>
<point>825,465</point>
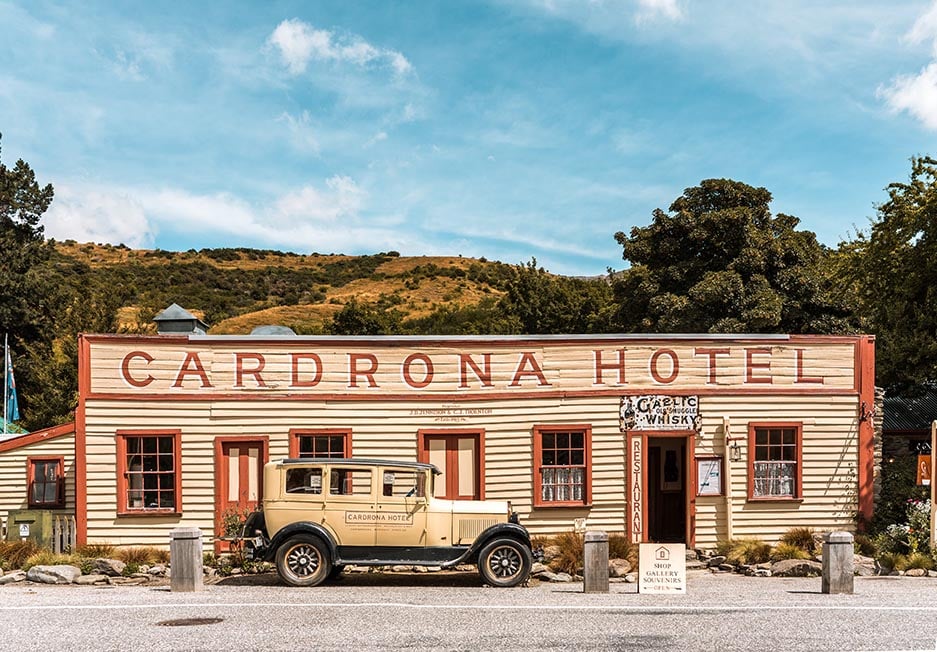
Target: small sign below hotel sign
<point>659,412</point>
<point>662,568</point>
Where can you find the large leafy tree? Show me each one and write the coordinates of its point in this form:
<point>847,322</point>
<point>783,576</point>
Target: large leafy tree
<point>720,262</point>
<point>895,273</point>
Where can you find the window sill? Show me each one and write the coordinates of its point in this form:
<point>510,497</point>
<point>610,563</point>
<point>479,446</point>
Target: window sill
<point>774,499</point>
<point>150,512</point>
<point>564,505</point>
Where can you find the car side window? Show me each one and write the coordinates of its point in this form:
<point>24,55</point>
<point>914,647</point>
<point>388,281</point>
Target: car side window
<point>303,481</point>
<point>350,482</point>
<point>403,484</point>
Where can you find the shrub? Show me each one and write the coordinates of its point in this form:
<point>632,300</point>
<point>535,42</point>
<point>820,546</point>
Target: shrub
<point>800,537</point>
<point>788,551</point>
<point>619,547</point>
<point>96,550</point>
<point>569,559</point>
<point>919,560</point>
<point>893,561</point>
<point>725,546</point>
<point>864,545</point>
<point>140,555</point>
<point>49,558</point>
<point>13,554</point>
<point>749,551</point>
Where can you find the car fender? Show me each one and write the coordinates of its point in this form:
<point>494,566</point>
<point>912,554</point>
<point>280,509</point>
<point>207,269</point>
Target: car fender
<point>499,531</point>
<point>300,527</point>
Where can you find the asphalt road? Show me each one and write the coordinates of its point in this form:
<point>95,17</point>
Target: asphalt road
<point>454,612</point>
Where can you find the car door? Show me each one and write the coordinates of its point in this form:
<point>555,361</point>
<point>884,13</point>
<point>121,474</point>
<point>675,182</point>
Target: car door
<point>349,505</point>
<point>400,519</point>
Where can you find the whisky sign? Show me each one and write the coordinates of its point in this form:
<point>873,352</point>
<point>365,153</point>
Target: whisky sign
<point>657,412</point>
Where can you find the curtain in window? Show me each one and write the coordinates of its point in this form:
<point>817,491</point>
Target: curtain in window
<point>774,478</point>
<point>562,484</point>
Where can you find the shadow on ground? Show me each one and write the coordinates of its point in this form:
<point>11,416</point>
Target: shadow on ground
<point>439,579</point>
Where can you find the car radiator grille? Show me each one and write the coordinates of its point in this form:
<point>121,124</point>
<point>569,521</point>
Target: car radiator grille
<point>470,528</point>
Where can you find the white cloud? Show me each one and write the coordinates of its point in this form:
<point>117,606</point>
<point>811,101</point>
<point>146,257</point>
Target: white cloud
<point>302,135</point>
<point>916,94</point>
<point>376,138</point>
<point>652,9</point>
<point>299,43</point>
<point>90,215</point>
<point>342,198</point>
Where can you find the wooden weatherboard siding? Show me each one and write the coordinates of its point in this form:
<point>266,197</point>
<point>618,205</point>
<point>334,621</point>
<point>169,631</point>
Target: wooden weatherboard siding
<point>381,391</point>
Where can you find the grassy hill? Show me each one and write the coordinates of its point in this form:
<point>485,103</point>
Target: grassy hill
<point>234,290</point>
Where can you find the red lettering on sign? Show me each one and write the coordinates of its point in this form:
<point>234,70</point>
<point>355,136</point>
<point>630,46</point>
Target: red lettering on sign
<point>801,378</point>
<point>483,375</point>
<point>674,366</point>
<point>354,359</point>
<point>427,370</point>
<point>125,368</point>
<point>751,365</point>
<point>197,369</point>
<point>712,353</point>
<point>611,366</point>
<point>528,360</point>
<point>240,371</point>
<point>294,366</point>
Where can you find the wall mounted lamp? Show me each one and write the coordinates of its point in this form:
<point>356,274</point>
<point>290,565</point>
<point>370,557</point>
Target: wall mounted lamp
<point>735,452</point>
<point>865,413</point>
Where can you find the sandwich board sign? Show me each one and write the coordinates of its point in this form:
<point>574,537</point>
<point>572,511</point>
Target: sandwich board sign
<point>662,568</point>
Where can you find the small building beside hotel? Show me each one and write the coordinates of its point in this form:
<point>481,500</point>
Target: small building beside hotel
<point>671,438</point>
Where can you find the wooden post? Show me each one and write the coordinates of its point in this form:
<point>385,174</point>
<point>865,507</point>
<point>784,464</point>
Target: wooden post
<point>595,566</point>
<point>185,558</point>
<point>727,483</point>
<point>838,571</point>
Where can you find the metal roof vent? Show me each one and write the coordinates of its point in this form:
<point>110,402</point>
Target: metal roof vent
<point>272,330</point>
<point>175,320</point>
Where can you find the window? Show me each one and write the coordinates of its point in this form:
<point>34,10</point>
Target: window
<point>46,477</point>
<point>774,451</point>
<point>304,481</point>
<point>320,443</point>
<point>148,472</point>
<point>562,461</point>
<point>350,482</point>
<point>403,484</point>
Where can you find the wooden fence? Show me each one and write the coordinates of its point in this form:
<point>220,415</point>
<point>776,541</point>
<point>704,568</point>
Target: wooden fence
<point>63,533</point>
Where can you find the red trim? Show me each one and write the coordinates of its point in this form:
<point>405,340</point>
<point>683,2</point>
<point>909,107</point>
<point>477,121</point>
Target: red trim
<point>430,396</point>
<point>478,433</point>
<point>38,436</point>
<point>865,366</point>
<point>121,437</point>
<point>689,490</point>
<point>221,476</point>
<point>81,456</point>
<point>59,477</point>
<point>296,433</point>
<point>798,482</point>
<point>539,430</point>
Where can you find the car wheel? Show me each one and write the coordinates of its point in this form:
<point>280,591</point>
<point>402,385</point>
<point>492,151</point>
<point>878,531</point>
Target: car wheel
<point>504,562</point>
<point>303,561</point>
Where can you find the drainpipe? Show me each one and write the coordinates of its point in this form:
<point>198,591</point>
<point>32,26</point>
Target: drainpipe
<point>728,478</point>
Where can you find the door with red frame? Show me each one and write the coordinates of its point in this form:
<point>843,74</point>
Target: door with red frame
<point>460,457</point>
<point>239,467</point>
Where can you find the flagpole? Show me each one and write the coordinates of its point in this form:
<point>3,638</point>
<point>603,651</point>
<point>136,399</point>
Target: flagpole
<point>6,370</point>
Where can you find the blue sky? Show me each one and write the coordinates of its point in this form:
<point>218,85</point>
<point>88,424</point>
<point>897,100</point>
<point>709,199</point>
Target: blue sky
<point>506,129</point>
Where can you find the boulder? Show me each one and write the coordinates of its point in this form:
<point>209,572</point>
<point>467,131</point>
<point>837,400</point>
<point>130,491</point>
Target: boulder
<point>865,566</point>
<point>729,568</point>
<point>797,568</point>
<point>716,560</point>
<point>13,576</point>
<point>59,574</point>
<point>631,578</point>
<point>618,567</point>
<point>158,570</point>
<point>915,572</point>
<point>561,577</point>
<point>109,567</point>
<point>691,555</point>
<point>539,569</point>
<point>93,579</point>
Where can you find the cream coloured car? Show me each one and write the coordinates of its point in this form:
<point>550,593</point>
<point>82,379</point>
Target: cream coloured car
<point>320,514</point>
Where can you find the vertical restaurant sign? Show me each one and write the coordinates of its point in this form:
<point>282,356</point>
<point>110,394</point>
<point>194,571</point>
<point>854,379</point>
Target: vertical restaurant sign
<point>658,412</point>
<point>637,506</point>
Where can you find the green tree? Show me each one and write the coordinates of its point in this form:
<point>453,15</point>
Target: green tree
<point>24,249</point>
<point>895,274</point>
<point>356,318</point>
<point>720,262</point>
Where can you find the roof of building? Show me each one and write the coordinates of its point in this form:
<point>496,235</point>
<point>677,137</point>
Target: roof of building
<point>914,410</point>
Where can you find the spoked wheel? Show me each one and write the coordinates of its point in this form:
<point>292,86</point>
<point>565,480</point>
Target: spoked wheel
<point>504,562</point>
<point>303,561</point>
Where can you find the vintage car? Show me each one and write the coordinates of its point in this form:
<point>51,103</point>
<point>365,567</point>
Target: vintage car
<point>319,514</point>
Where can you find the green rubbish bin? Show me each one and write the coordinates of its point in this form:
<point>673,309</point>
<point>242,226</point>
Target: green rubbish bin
<point>34,524</point>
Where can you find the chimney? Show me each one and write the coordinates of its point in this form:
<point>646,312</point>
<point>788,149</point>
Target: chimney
<point>175,320</point>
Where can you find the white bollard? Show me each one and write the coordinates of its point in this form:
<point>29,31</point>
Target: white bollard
<point>185,559</point>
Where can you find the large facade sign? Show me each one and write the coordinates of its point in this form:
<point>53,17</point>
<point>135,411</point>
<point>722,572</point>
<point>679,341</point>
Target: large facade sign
<point>656,412</point>
<point>204,365</point>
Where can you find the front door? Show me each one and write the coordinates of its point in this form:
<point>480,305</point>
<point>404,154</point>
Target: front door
<point>239,467</point>
<point>460,458</point>
<point>667,472</point>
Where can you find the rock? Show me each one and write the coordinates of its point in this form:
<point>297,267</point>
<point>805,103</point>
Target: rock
<point>932,573</point>
<point>157,570</point>
<point>433,569</point>
<point>401,569</point>
<point>13,576</point>
<point>716,561</point>
<point>915,572</point>
<point>631,578</point>
<point>691,555</point>
<point>561,577</point>
<point>110,567</point>
<point>236,571</point>
<point>465,568</point>
<point>539,569</point>
<point>695,565</point>
<point>419,569</point>
<point>762,572</point>
<point>128,581</point>
<point>356,569</point>
<point>59,574</point>
<point>618,567</point>
<point>765,566</point>
<point>797,568</point>
<point>729,568</point>
<point>92,579</point>
<point>865,566</point>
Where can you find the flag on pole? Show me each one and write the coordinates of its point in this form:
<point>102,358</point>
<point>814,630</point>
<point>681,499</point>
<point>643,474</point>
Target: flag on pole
<point>11,411</point>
